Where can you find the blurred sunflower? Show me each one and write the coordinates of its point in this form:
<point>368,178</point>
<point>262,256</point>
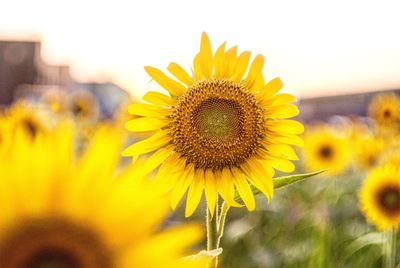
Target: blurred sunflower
<point>84,106</point>
<point>380,197</point>
<point>368,151</point>
<point>218,130</point>
<point>392,157</point>
<point>56,100</point>
<point>63,210</point>
<point>357,130</point>
<point>384,109</point>
<point>325,149</point>
<point>28,118</point>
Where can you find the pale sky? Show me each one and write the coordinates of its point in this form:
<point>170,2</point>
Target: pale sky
<point>316,47</point>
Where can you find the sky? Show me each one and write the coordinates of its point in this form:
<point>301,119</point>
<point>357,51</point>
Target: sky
<point>317,48</point>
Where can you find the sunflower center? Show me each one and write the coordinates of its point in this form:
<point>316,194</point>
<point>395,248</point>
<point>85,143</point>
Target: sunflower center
<point>389,200</point>
<point>218,118</point>
<point>326,152</point>
<point>55,243</point>
<point>77,109</point>
<point>217,124</point>
<point>387,113</point>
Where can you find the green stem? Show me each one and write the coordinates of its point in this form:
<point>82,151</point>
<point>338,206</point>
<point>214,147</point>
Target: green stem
<point>221,223</point>
<point>212,234</point>
<point>389,252</point>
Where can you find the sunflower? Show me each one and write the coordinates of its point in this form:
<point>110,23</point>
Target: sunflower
<point>59,209</point>
<point>29,119</point>
<point>326,149</point>
<point>217,130</point>
<point>392,157</point>
<point>384,109</point>
<point>56,100</point>
<point>84,106</point>
<point>369,151</point>
<point>380,197</point>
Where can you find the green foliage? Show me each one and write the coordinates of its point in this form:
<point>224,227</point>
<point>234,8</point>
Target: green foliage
<point>280,182</point>
<point>315,224</point>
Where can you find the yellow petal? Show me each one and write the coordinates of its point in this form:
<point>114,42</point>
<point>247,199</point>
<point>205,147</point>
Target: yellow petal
<point>285,126</point>
<point>260,175</point>
<point>180,73</point>
<point>150,144</point>
<point>278,150</point>
<point>210,190</point>
<point>259,83</point>
<point>281,164</point>
<point>226,187</point>
<point>195,192</point>
<point>145,124</point>
<point>172,86</point>
<point>282,111</point>
<point>279,99</point>
<point>254,71</point>
<point>206,55</point>
<point>241,66</point>
<point>182,185</point>
<point>271,88</point>
<point>148,110</point>
<point>230,62</point>
<point>288,139</point>
<point>198,74</point>
<point>170,171</point>
<point>155,160</point>
<point>243,188</point>
<point>219,61</point>
<point>158,98</point>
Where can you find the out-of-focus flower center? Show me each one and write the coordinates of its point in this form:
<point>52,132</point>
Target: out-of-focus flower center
<point>30,127</point>
<point>389,200</point>
<point>217,124</point>
<point>55,243</point>
<point>326,152</point>
<point>78,109</point>
<point>387,113</point>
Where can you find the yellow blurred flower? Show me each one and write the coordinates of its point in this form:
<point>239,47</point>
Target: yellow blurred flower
<point>218,129</point>
<point>357,130</point>
<point>29,119</point>
<point>84,106</point>
<point>56,100</point>
<point>368,151</point>
<point>60,209</point>
<point>326,149</point>
<point>392,157</point>
<point>384,109</point>
<point>380,197</point>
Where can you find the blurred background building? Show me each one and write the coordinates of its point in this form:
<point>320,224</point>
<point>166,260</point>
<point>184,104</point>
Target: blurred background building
<point>24,75</point>
<point>323,108</point>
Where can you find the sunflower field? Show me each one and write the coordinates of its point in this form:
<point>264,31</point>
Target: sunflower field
<point>214,167</point>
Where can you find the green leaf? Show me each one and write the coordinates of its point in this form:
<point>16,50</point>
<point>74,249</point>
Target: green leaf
<point>208,254</point>
<point>280,182</point>
<point>373,238</point>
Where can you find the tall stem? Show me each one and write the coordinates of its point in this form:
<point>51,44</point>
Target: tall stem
<point>221,222</point>
<point>389,253</point>
<point>212,234</point>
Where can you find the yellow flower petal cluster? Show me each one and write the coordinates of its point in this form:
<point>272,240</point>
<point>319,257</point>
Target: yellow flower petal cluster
<point>63,209</point>
<point>326,149</point>
<point>384,109</point>
<point>380,197</point>
<point>369,150</point>
<point>217,130</point>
